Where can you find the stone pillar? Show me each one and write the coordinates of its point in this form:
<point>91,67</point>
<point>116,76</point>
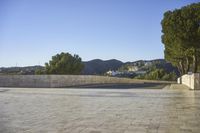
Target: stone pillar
<point>179,80</point>
<point>190,80</point>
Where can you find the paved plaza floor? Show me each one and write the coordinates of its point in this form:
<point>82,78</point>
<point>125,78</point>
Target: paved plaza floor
<point>37,110</point>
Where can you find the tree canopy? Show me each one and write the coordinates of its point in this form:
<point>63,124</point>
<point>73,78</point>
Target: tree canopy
<point>181,37</point>
<point>63,63</point>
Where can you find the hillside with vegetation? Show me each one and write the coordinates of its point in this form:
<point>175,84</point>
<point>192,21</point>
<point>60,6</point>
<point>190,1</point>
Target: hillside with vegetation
<point>157,69</point>
<point>143,69</point>
<point>29,70</point>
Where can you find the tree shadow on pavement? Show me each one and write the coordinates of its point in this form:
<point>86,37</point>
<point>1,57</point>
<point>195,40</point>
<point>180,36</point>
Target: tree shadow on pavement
<point>123,86</point>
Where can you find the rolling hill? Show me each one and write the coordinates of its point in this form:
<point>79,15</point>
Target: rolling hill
<point>98,67</point>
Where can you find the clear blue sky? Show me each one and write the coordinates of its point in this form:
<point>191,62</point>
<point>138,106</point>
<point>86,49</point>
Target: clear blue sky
<point>31,31</point>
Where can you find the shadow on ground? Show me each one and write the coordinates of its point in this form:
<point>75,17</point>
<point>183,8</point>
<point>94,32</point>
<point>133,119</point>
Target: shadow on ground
<point>123,86</point>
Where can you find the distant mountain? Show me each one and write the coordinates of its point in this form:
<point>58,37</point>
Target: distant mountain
<point>98,66</point>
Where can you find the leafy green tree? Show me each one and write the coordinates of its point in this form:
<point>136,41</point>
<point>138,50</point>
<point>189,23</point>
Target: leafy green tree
<point>158,74</point>
<point>171,77</point>
<point>181,37</point>
<point>64,63</point>
<point>40,71</point>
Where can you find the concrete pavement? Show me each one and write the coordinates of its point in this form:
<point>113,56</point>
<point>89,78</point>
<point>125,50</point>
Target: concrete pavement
<point>29,110</point>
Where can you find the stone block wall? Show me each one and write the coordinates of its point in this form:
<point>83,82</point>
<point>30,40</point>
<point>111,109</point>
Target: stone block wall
<point>50,81</point>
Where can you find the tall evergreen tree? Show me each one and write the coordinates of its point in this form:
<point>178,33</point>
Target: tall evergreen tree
<point>181,37</point>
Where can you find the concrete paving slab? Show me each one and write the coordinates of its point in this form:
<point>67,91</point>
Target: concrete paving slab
<point>29,110</point>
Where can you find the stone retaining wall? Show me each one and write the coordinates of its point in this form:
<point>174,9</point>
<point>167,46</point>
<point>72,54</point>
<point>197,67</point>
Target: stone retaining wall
<point>51,81</point>
<point>55,80</point>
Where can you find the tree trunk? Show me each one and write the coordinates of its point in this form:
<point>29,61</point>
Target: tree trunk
<point>187,65</point>
<point>195,63</point>
<point>182,67</point>
<point>179,70</point>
